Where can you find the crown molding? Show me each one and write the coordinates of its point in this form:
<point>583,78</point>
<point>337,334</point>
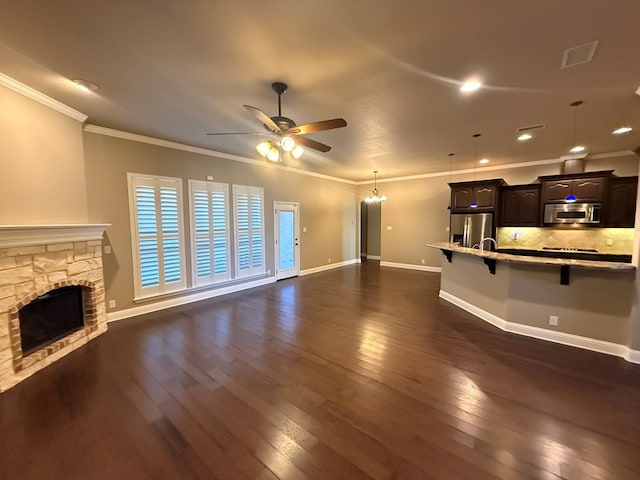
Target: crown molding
<point>39,97</point>
<point>508,166</point>
<point>134,137</point>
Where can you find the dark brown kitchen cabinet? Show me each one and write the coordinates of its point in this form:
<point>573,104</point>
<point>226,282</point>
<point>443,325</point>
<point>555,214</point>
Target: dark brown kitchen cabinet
<point>483,192</point>
<point>519,206</point>
<point>620,207</point>
<point>586,187</point>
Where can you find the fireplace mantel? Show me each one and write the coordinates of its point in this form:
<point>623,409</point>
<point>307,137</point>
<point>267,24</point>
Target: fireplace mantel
<point>25,235</point>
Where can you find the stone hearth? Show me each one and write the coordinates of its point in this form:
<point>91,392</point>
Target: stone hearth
<point>33,261</point>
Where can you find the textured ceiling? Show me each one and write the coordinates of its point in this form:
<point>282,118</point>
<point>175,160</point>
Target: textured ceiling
<point>177,70</point>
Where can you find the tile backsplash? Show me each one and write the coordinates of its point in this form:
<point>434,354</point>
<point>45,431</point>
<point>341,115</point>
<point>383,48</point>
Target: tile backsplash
<point>605,240</point>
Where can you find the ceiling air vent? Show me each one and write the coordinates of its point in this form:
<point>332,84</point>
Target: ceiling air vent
<point>528,128</point>
<point>579,54</point>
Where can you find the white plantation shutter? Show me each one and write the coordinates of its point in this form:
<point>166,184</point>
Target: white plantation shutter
<point>157,232</point>
<point>249,225</point>
<point>210,232</point>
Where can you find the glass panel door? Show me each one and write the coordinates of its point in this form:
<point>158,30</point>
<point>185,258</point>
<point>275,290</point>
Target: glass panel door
<point>287,251</point>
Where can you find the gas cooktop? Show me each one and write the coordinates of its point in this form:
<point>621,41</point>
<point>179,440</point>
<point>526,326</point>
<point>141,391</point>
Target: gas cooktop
<point>565,249</point>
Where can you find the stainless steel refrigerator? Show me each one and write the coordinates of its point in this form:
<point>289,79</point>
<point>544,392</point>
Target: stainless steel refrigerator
<point>468,229</point>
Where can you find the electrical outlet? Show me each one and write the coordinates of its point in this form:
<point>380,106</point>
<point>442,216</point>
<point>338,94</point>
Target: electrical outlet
<point>112,304</point>
<point>447,228</point>
<point>389,227</point>
<point>107,249</point>
<point>328,260</point>
<point>609,241</point>
<point>269,271</point>
<point>515,236</point>
<point>553,320</point>
<point>304,229</point>
<point>422,261</point>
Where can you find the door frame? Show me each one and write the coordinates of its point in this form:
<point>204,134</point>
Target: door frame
<point>295,206</point>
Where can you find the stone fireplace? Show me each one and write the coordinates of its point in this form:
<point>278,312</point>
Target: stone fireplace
<point>38,260</point>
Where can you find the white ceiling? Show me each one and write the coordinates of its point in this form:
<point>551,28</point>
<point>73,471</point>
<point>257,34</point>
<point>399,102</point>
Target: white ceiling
<point>179,69</point>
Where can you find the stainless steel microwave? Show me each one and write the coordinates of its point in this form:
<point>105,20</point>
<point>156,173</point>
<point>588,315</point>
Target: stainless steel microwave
<point>572,213</point>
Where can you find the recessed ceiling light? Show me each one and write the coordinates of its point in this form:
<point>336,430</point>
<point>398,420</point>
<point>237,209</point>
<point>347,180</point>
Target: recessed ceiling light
<point>85,85</point>
<point>577,149</point>
<point>484,161</point>
<point>524,137</point>
<point>470,86</point>
<point>622,130</point>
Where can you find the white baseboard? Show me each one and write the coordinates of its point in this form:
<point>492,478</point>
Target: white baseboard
<point>194,297</point>
<point>373,257</point>
<point>410,266</point>
<point>472,309</point>
<point>570,339</point>
<point>632,356</point>
<point>330,266</point>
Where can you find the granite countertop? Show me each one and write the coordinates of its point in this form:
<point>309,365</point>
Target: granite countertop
<point>506,257</point>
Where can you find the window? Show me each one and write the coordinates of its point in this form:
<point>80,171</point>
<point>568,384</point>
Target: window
<point>209,231</point>
<point>157,234</point>
<point>249,230</point>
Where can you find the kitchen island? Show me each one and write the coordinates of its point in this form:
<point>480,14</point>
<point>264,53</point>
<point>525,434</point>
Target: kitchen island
<point>590,301</point>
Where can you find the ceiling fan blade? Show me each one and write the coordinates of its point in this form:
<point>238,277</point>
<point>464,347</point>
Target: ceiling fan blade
<point>240,133</point>
<point>318,126</point>
<point>264,118</point>
<point>307,142</point>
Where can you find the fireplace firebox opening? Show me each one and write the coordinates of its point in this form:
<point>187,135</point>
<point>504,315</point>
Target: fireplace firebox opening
<point>51,317</point>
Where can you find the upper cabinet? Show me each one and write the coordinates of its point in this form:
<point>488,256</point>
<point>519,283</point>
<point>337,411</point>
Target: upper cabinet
<point>620,208</point>
<point>585,187</point>
<point>519,206</point>
<point>483,192</point>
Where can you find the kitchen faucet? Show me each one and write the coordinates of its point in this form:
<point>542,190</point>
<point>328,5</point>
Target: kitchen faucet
<point>495,244</point>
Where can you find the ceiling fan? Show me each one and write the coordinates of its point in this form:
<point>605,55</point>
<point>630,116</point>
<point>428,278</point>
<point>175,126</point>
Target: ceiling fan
<point>287,135</point>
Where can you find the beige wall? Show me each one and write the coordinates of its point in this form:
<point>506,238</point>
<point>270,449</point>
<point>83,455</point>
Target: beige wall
<point>42,164</point>
<point>468,278</point>
<point>328,209</point>
<point>417,209</point>
<point>596,304</point>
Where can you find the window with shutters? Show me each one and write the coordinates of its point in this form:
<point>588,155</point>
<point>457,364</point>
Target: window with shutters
<point>157,234</point>
<point>249,230</point>
<point>209,231</point>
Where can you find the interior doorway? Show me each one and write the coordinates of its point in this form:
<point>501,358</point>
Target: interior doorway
<point>287,239</point>
<point>370,230</point>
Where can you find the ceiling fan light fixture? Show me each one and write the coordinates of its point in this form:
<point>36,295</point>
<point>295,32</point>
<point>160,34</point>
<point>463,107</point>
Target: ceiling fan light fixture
<point>287,143</point>
<point>273,154</point>
<point>263,148</point>
<point>297,152</point>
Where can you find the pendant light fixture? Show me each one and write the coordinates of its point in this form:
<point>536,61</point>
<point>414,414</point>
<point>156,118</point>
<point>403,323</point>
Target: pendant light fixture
<point>571,198</point>
<point>375,198</point>
<point>474,204</point>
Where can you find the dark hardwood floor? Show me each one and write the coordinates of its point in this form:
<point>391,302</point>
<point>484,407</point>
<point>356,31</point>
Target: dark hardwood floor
<point>356,373</point>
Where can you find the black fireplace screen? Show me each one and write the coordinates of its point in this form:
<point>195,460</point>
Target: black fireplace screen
<point>50,317</point>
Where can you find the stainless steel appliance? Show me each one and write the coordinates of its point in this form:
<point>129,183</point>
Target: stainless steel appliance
<point>572,213</point>
<point>469,229</point>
